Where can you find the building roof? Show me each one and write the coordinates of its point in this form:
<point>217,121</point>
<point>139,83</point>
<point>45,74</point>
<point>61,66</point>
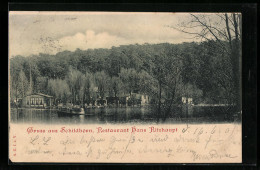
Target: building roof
<point>40,94</point>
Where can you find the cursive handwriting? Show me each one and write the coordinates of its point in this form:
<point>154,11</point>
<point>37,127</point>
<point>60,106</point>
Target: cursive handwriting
<point>198,143</point>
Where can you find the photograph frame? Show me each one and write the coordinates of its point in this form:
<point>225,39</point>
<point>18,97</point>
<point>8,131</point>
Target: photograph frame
<point>248,87</point>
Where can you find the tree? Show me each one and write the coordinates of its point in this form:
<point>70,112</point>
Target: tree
<point>23,84</point>
<point>115,86</point>
<point>14,84</point>
<point>59,89</point>
<point>41,84</point>
<point>130,79</point>
<point>31,71</point>
<point>225,31</point>
<point>101,80</point>
<point>88,88</point>
<point>148,85</point>
<point>16,65</point>
<point>75,82</point>
<point>167,69</point>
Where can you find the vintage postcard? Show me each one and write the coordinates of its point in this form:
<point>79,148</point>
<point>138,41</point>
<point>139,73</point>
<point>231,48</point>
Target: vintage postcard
<point>125,87</point>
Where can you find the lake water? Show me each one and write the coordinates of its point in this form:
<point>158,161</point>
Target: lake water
<point>115,115</point>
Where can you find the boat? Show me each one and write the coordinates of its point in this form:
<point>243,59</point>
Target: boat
<point>71,111</point>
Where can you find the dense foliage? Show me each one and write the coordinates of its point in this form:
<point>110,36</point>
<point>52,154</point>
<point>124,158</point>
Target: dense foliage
<point>165,72</point>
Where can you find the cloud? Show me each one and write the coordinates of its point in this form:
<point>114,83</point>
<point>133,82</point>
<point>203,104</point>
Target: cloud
<point>90,40</point>
<point>34,33</point>
<point>93,40</point>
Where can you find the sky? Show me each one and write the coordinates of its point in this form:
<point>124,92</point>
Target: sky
<point>51,32</point>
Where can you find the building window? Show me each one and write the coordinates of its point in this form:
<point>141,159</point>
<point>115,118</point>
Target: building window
<point>33,101</point>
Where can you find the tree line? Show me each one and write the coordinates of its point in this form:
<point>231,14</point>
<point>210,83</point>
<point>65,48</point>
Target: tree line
<point>166,72</point>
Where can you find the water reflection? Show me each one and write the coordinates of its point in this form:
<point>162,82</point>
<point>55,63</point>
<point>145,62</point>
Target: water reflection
<point>112,115</point>
<point>101,115</point>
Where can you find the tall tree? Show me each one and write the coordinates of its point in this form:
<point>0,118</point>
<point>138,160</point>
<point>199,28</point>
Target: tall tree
<point>23,84</point>
<point>101,80</point>
<point>221,28</point>
<point>41,84</point>
<point>75,82</point>
<point>59,89</point>
<point>130,79</point>
<point>116,86</point>
<point>89,86</point>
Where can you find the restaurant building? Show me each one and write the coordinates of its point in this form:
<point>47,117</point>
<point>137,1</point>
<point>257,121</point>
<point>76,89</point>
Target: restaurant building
<point>38,100</point>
